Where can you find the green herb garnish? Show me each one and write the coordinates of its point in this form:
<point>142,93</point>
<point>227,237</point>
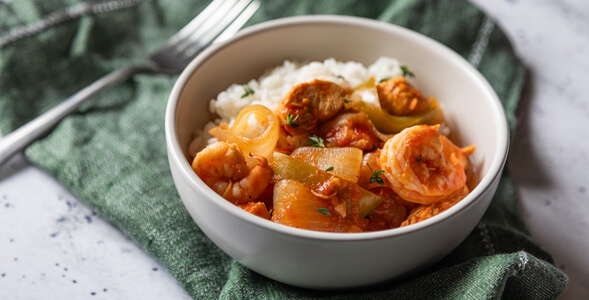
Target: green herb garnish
<point>290,121</point>
<point>376,176</point>
<point>407,72</point>
<point>340,77</point>
<point>419,158</point>
<point>384,79</point>
<point>324,211</point>
<point>248,91</point>
<point>329,169</point>
<point>346,100</point>
<point>316,141</point>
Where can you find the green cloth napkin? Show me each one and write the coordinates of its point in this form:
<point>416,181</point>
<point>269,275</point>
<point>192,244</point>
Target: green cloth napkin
<point>111,153</point>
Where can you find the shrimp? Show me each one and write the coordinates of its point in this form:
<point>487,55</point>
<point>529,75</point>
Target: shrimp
<point>422,166</point>
<point>352,129</point>
<point>309,103</point>
<point>424,212</point>
<point>224,168</point>
<point>461,153</point>
<point>398,97</point>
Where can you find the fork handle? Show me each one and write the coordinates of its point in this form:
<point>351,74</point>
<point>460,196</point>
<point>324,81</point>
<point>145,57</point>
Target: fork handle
<point>38,127</point>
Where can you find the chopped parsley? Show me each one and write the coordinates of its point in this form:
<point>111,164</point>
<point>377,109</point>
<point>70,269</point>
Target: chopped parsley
<point>346,100</point>
<point>316,141</point>
<point>290,121</point>
<point>384,79</point>
<point>324,211</point>
<point>376,176</point>
<point>407,72</point>
<point>419,158</point>
<point>340,77</point>
<point>329,169</point>
<point>248,91</point>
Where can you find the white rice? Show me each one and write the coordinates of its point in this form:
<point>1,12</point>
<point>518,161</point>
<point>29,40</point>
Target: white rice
<point>273,86</point>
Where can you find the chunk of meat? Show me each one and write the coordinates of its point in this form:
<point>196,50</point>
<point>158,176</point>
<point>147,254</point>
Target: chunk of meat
<point>352,129</point>
<point>369,165</point>
<point>390,213</point>
<point>309,104</point>
<point>398,97</point>
<point>256,208</point>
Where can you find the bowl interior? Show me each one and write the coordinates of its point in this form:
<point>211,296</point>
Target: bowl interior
<point>471,107</point>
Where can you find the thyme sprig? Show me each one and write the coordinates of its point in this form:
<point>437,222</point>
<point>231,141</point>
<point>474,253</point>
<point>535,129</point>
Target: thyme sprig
<point>324,211</point>
<point>290,121</point>
<point>376,176</point>
<point>248,91</point>
<point>316,141</point>
<point>407,72</point>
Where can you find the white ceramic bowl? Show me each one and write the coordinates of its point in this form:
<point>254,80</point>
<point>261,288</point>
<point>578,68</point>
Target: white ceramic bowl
<point>336,260</point>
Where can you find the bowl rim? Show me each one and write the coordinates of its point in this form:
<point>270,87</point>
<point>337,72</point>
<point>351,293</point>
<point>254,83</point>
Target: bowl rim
<point>177,156</point>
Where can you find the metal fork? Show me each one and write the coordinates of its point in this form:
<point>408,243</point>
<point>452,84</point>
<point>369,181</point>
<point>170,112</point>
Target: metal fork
<point>218,21</point>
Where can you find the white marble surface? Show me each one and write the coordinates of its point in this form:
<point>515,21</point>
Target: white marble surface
<point>549,157</point>
<point>52,246</point>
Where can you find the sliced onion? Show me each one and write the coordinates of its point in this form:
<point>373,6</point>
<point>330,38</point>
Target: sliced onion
<point>365,98</point>
<point>287,167</point>
<point>255,131</point>
<point>344,162</point>
<point>296,205</point>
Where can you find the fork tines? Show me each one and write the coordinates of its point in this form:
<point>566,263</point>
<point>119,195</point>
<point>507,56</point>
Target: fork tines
<point>219,20</point>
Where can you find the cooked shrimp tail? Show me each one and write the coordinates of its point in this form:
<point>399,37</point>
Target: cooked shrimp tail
<point>224,168</point>
<point>422,166</point>
<point>251,186</point>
